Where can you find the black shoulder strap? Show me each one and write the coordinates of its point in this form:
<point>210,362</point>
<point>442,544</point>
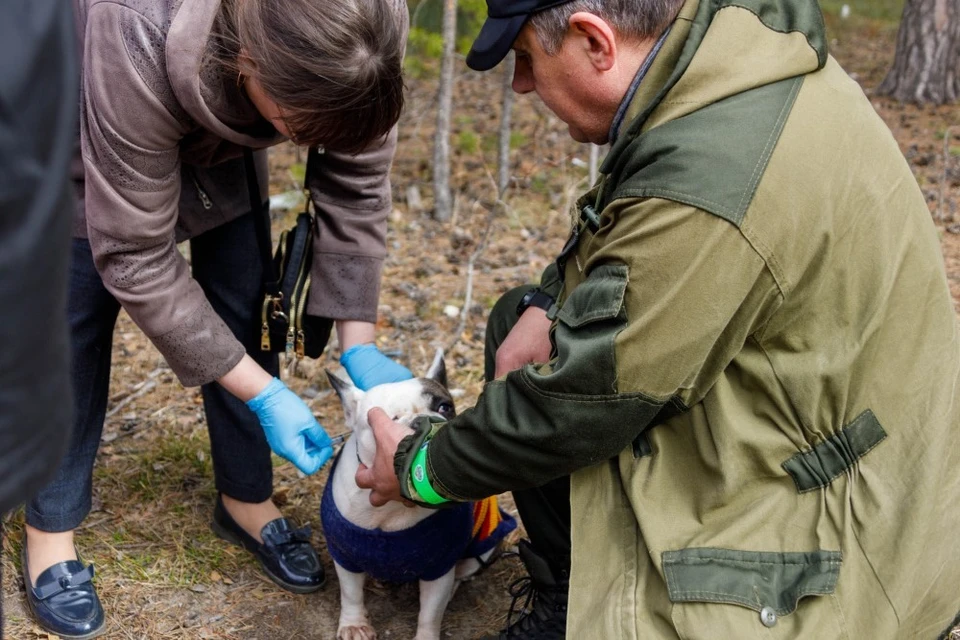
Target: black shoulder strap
<point>314,164</point>
<point>261,213</point>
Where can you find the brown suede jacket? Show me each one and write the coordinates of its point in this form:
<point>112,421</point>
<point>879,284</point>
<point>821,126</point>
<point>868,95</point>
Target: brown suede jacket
<point>162,133</point>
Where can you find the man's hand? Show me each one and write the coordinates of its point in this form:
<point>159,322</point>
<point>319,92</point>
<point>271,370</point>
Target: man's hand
<point>381,478</point>
<point>527,342</point>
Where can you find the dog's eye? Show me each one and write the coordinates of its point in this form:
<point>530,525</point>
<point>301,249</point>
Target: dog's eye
<point>445,409</point>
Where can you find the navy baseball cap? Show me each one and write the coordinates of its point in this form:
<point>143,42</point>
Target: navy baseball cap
<point>505,19</point>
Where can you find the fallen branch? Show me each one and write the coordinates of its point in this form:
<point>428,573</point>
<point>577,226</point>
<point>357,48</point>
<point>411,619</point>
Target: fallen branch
<point>138,390</point>
<point>498,205</point>
<point>468,293</point>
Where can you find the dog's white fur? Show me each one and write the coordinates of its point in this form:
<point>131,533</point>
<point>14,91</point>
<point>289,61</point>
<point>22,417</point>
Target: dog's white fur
<point>402,401</point>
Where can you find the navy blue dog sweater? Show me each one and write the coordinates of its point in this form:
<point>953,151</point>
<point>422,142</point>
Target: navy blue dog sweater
<point>426,551</point>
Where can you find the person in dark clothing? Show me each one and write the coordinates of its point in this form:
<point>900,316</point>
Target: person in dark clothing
<point>38,103</point>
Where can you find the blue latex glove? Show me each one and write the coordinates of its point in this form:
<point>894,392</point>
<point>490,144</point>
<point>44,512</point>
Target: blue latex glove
<point>367,367</point>
<point>291,429</point>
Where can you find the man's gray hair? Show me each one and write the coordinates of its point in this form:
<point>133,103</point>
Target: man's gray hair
<point>633,19</point>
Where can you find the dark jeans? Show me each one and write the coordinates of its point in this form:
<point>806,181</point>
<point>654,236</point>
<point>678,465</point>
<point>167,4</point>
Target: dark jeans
<point>226,263</point>
<point>544,510</point>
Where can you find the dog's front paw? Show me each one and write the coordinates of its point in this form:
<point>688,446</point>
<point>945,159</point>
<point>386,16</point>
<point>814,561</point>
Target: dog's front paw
<point>356,632</point>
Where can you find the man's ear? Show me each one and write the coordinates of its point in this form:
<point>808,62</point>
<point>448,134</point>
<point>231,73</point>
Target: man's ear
<point>598,38</point>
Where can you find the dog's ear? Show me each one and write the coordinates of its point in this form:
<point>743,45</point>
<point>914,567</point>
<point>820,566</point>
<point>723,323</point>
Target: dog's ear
<point>438,369</point>
<point>348,393</point>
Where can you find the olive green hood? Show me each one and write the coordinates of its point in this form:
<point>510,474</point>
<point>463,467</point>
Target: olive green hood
<point>703,124</point>
<point>787,39</point>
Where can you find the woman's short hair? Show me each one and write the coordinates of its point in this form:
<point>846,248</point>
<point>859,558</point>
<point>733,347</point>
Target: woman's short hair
<point>633,19</point>
<point>334,67</point>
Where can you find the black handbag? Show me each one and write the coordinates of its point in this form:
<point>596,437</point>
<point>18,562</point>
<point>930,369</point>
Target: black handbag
<point>285,325</point>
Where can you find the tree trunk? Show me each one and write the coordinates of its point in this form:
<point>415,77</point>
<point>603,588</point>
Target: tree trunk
<point>926,68</point>
<point>442,198</point>
<point>506,113</point>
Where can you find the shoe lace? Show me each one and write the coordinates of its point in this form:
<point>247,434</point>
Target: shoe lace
<point>534,615</point>
<point>520,588</point>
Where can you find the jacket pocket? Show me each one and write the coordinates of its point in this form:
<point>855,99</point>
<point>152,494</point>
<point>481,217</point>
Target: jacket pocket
<point>778,595</point>
<point>585,337</point>
<point>599,297</point>
<point>583,362</point>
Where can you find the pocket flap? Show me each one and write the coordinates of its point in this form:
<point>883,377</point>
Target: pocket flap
<point>752,579</point>
<point>599,297</point>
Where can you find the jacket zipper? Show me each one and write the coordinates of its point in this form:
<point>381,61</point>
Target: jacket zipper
<point>204,198</point>
<point>301,303</point>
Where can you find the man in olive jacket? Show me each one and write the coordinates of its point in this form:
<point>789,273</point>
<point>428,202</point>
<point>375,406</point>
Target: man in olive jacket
<point>753,368</point>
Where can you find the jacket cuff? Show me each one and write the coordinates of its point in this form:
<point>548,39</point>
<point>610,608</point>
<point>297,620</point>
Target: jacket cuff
<point>201,349</point>
<point>344,287</point>
<point>425,427</point>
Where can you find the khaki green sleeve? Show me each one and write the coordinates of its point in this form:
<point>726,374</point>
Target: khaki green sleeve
<point>550,282</point>
<point>668,294</point>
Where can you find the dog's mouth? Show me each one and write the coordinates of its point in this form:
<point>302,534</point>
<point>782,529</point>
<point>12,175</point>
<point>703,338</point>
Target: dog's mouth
<point>406,421</point>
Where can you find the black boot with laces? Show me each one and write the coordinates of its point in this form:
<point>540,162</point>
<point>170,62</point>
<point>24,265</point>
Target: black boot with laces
<point>543,612</point>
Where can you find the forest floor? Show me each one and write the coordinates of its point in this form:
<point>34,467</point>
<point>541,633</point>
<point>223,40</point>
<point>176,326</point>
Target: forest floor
<point>161,572</point>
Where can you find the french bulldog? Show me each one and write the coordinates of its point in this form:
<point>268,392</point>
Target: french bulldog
<point>397,543</point>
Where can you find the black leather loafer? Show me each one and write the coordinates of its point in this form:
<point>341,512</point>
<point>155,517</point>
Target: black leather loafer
<point>64,601</point>
<point>285,555</point>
